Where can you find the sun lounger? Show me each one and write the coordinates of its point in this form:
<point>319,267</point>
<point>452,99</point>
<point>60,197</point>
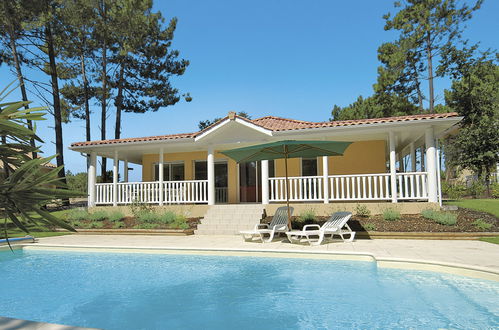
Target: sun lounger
<point>315,234</point>
<point>279,224</point>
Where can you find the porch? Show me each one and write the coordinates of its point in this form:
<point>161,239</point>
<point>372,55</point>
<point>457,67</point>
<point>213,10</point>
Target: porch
<point>410,186</point>
<point>390,160</point>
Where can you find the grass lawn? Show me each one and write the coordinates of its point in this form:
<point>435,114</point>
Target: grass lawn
<point>35,230</point>
<point>494,240</point>
<point>484,205</point>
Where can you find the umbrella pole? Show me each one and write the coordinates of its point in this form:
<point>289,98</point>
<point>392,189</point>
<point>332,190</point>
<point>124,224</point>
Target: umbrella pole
<point>287,186</point>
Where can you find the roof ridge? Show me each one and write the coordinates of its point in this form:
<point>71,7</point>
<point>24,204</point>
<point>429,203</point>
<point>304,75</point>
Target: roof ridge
<point>287,119</point>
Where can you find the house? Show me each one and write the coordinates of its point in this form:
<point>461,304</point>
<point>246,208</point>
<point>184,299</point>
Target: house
<point>390,160</point>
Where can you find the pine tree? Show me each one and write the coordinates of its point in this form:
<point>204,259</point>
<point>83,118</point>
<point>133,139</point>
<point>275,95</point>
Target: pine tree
<point>426,28</point>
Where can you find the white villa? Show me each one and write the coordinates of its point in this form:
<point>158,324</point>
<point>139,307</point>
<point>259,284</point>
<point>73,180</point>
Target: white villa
<point>390,160</point>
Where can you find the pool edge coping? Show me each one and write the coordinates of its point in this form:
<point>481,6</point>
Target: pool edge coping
<point>381,262</point>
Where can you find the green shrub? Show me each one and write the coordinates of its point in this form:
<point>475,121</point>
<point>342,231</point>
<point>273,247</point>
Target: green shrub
<point>77,224</point>
<point>477,189</point>
<point>446,218</point>
<point>370,226</point>
<point>494,190</point>
<point>98,215</point>
<point>115,216</point>
<point>443,218</point>
<point>362,211</point>
<point>180,223</point>
<point>95,225</point>
<point>307,216</point>
<point>118,225</point>
<point>453,190</point>
<point>482,225</point>
<point>146,216</point>
<point>77,214</point>
<point>391,214</point>
<point>168,217</point>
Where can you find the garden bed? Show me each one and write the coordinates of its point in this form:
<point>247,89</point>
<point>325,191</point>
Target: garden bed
<point>466,222</point>
<point>143,220</point>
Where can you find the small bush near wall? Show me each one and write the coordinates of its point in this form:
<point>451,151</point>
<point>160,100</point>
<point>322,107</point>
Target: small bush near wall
<point>98,215</point>
<point>77,214</point>
<point>443,218</point>
<point>115,216</point>
<point>391,214</point>
<point>362,211</point>
<point>482,225</point>
<point>307,216</point>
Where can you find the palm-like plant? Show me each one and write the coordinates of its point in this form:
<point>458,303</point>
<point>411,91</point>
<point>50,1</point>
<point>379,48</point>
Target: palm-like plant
<point>26,184</point>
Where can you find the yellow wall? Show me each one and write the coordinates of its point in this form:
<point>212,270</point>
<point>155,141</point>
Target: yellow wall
<point>188,158</point>
<point>360,158</point>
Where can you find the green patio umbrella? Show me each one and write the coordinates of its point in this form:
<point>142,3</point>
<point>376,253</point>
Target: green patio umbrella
<point>287,149</point>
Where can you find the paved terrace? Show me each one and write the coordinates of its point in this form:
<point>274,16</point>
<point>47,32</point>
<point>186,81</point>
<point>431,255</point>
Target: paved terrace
<point>459,252</point>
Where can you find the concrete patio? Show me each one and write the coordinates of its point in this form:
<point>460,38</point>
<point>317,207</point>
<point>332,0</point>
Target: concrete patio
<point>466,253</point>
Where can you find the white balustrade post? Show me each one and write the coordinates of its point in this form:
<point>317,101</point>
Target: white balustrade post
<point>431,165</point>
<point>413,156</point>
<point>265,182</point>
<point>92,179</point>
<point>393,178</point>
<point>325,177</point>
<point>161,176</point>
<point>115,178</point>
<point>210,162</point>
<point>125,170</point>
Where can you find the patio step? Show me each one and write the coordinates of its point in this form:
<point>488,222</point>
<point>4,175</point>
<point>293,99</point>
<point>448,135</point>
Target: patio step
<point>230,219</point>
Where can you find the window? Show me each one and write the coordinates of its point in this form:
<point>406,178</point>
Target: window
<point>271,169</point>
<point>201,172</point>
<point>309,167</point>
<point>171,171</point>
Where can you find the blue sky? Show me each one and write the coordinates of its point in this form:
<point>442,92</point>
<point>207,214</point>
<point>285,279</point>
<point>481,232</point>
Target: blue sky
<point>293,59</point>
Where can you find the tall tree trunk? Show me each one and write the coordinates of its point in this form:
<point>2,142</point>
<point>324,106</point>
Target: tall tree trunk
<point>420,96</point>
<point>430,72</point>
<point>59,147</point>
<point>104,94</point>
<point>119,102</point>
<point>20,77</point>
<point>87,106</point>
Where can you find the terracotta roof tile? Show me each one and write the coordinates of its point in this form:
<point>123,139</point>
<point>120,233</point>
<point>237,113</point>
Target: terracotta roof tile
<point>276,124</point>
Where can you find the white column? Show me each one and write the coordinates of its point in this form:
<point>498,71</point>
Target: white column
<point>92,179</point>
<point>125,170</point>
<point>265,182</point>
<point>431,165</point>
<point>413,156</point>
<point>161,177</point>
<point>211,176</point>
<point>325,175</point>
<point>115,178</point>
<point>393,178</point>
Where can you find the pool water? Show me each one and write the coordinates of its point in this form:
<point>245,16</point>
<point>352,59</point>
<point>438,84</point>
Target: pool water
<point>151,291</point>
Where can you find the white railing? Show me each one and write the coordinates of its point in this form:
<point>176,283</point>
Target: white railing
<point>412,185</point>
<point>356,187</point>
<point>221,195</point>
<point>174,192</point>
<point>359,187</point>
<point>301,188</point>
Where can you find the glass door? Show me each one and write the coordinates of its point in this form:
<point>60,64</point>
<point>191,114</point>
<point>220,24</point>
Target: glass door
<point>249,182</point>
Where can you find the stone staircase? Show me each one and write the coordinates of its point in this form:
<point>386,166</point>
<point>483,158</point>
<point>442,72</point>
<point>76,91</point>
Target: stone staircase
<point>230,219</point>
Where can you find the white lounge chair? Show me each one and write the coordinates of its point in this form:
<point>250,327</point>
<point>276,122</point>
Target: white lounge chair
<point>315,234</point>
<point>279,224</point>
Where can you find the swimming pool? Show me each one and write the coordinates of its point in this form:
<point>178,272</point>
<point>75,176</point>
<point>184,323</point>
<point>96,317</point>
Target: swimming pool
<point>156,291</point>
